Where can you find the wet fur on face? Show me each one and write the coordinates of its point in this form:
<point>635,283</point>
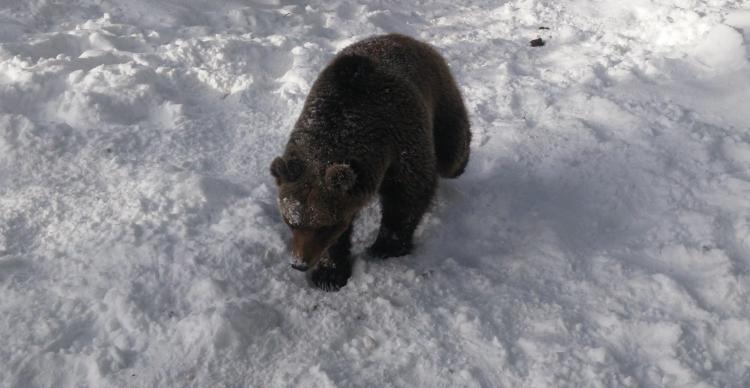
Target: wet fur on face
<point>314,203</point>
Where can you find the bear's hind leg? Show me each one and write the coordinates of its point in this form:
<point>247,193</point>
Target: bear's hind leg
<point>334,271</point>
<point>403,206</point>
<point>452,136</point>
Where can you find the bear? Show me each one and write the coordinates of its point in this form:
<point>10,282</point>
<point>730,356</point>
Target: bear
<point>384,118</point>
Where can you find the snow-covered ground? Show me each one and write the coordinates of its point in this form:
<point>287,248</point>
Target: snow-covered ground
<point>600,236</point>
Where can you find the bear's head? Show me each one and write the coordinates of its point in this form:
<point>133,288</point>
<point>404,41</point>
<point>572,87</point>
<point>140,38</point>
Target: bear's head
<point>316,202</point>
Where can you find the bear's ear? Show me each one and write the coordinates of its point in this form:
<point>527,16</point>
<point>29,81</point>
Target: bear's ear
<point>287,170</point>
<point>277,168</point>
<point>340,177</point>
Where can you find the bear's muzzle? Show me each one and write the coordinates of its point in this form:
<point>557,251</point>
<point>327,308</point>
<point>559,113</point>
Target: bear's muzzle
<point>300,265</point>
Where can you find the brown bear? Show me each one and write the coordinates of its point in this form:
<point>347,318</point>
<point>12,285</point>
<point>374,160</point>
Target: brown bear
<point>384,117</point>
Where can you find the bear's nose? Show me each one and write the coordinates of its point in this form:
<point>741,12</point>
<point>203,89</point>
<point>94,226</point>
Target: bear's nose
<point>299,265</point>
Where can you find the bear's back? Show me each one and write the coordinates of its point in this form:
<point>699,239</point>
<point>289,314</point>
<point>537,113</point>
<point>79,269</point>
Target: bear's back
<point>404,57</point>
<point>376,102</point>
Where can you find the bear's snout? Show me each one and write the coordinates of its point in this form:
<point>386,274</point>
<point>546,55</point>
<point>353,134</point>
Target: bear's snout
<point>300,265</point>
<point>307,247</point>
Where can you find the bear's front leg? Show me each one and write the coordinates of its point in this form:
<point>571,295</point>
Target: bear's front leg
<point>331,275</point>
<point>335,268</point>
<point>391,244</point>
<point>403,204</point>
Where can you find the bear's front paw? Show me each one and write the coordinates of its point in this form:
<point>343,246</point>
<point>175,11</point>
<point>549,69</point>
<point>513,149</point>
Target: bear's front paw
<point>331,277</point>
<point>387,247</point>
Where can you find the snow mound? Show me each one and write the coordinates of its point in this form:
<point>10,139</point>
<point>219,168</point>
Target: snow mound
<point>722,48</point>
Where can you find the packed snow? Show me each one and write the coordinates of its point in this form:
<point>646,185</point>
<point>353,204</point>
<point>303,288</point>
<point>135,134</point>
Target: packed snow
<point>599,237</point>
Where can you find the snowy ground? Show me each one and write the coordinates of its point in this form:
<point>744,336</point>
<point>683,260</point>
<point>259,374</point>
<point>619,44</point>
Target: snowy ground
<point>600,236</point>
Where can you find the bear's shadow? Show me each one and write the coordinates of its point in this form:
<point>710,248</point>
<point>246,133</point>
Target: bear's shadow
<point>501,209</point>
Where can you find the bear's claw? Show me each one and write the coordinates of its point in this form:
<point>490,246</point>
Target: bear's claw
<point>331,278</point>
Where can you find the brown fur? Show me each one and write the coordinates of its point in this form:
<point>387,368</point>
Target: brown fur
<point>384,117</point>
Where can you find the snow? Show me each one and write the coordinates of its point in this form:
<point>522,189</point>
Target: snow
<point>599,237</point>
<point>722,48</point>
